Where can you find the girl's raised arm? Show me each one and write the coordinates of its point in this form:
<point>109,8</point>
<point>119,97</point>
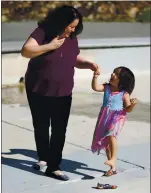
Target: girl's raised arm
<point>95,85</point>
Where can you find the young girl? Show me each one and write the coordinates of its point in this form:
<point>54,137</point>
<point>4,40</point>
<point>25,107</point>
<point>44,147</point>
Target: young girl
<point>116,104</point>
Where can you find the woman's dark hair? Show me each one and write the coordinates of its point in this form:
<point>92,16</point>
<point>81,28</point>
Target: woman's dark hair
<point>56,21</point>
<point>126,79</point>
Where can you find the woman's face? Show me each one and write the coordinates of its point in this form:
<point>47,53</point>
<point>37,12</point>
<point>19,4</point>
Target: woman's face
<point>70,28</point>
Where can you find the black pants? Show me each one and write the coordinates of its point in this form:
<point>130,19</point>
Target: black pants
<point>45,111</point>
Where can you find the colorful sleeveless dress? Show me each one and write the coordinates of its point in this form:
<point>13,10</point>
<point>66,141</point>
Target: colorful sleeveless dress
<point>110,120</point>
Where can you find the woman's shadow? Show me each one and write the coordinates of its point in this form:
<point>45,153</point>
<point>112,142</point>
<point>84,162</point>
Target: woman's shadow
<point>66,165</point>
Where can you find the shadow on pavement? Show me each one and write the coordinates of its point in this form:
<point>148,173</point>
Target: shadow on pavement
<point>19,163</point>
<point>66,165</point>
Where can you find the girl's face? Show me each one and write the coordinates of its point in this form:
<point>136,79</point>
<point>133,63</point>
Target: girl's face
<point>114,80</point>
<point>70,28</point>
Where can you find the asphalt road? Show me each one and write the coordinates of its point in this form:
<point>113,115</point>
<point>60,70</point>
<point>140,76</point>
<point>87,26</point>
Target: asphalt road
<point>18,31</point>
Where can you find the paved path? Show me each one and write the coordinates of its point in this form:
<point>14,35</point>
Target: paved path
<point>84,168</point>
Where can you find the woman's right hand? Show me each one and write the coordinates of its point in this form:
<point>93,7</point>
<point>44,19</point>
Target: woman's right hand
<point>56,43</point>
<point>32,49</point>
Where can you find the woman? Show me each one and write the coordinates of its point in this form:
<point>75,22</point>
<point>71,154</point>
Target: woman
<point>53,52</point>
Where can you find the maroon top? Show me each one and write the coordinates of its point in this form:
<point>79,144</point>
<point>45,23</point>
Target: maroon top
<point>52,73</point>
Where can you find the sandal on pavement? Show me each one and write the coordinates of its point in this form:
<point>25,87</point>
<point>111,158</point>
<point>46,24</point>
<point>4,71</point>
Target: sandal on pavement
<point>110,173</point>
<point>106,186</point>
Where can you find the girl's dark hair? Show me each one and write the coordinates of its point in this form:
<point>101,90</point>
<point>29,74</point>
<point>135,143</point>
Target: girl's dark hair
<point>56,21</point>
<point>126,79</point>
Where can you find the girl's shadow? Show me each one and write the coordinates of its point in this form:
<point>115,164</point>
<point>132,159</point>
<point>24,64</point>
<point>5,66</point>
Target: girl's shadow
<point>66,165</point>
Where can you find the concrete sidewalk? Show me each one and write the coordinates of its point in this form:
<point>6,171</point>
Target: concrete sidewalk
<point>84,168</point>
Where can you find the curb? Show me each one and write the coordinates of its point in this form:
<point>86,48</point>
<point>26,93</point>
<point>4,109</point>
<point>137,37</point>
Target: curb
<point>110,43</point>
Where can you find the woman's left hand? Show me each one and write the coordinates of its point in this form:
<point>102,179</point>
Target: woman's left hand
<point>81,63</point>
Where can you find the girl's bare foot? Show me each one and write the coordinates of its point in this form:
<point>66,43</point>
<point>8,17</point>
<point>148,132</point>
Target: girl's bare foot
<point>111,163</point>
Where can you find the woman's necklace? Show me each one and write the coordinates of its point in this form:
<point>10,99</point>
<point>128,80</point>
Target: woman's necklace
<point>61,55</point>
